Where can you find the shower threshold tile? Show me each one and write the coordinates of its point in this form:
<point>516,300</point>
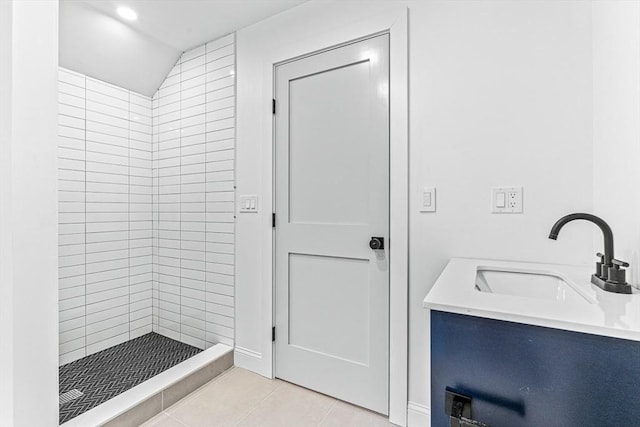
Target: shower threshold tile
<point>104,375</point>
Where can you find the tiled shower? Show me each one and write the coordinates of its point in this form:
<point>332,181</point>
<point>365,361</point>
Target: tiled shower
<point>193,201</point>
<point>105,215</point>
<point>146,202</point>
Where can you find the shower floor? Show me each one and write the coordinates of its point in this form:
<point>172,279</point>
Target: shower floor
<point>106,374</point>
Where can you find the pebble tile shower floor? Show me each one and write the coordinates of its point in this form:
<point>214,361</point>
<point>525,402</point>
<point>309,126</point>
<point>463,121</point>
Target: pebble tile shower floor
<point>106,374</point>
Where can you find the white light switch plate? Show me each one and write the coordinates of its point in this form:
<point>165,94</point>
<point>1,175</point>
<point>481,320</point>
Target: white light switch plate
<point>428,199</point>
<point>506,200</point>
<point>248,204</point>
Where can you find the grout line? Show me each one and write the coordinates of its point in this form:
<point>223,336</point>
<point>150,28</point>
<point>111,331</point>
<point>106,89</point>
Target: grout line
<point>253,409</point>
<point>176,420</point>
<point>129,214</point>
<point>179,102</point>
<point>206,111</point>
<point>335,402</point>
<point>85,224</point>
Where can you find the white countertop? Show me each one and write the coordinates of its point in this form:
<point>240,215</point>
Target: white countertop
<point>600,313</point>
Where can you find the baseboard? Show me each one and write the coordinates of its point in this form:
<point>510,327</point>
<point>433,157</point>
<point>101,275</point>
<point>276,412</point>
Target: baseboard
<point>418,415</point>
<point>247,359</point>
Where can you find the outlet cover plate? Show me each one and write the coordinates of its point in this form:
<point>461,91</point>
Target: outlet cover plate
<point>506,200</point>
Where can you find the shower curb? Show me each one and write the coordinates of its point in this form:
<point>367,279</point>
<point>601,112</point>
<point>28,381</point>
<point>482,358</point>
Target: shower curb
<point>144,401</point>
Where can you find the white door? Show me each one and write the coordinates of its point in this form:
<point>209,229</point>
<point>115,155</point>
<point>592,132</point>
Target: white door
<point>332,197</point>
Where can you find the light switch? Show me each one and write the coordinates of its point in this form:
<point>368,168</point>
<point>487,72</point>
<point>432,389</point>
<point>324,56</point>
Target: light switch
<point>428,199</point>
<point>501,199</point>
<point>248,204</point>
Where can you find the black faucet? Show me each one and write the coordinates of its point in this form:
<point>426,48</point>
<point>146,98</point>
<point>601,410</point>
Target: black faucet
<point>606,230</point>
<point>608,274</point>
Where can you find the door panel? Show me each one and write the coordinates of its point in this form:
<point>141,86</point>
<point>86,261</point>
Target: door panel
<point>312,327</point>
<point>328,179</point>
<point>332,196</point>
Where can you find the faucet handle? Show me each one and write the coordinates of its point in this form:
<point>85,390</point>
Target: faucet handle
<point>617,274</point>
<point>617,263</point>
<point>601,271</point>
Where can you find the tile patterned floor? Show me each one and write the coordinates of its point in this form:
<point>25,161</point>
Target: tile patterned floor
<point>110,372</point>
<point>242,398</point>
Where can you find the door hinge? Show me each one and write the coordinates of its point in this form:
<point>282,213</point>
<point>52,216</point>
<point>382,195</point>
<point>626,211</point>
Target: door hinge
<point>273,334</point>
<point>273,220</point>
<point>273,106</point>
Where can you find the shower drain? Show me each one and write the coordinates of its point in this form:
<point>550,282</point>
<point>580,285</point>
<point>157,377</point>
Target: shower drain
<point>70,395</point>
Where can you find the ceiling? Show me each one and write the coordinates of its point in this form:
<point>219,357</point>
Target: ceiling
<point>137,55</point>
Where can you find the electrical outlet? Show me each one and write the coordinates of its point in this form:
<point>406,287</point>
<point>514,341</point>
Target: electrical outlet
<point>506,200</point>
<point>512,198</point>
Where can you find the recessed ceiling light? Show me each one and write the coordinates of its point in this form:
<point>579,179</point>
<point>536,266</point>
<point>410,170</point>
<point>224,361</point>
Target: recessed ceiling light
<point>127,13</point>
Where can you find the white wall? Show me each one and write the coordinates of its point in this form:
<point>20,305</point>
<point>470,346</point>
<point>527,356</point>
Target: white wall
<point>194,146</point>
<point>6,240</point>
<point>95,41</point>
<point>28,213</point>
<point>616,125</point>
<point>500,95</point>
<point>105,215</point>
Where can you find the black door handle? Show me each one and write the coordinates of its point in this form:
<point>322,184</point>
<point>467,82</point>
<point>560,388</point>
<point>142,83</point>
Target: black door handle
<point>376,243</point>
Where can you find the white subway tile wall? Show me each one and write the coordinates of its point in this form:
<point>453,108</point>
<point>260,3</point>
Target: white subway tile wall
<point>105,220</point>
<point>146,237</point>
<point>193,197</point>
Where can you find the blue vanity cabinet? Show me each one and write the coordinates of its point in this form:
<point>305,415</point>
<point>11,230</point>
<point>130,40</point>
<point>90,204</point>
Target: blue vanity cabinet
<point>521,375</point>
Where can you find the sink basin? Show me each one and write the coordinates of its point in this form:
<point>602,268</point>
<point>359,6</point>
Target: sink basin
<point>528,284</point>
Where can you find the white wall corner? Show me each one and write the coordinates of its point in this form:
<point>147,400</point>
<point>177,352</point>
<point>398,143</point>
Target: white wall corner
<point>418,415</point>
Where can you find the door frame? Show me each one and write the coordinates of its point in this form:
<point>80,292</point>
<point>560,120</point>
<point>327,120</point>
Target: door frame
<point>395,24</point>
<point>378,371</point>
